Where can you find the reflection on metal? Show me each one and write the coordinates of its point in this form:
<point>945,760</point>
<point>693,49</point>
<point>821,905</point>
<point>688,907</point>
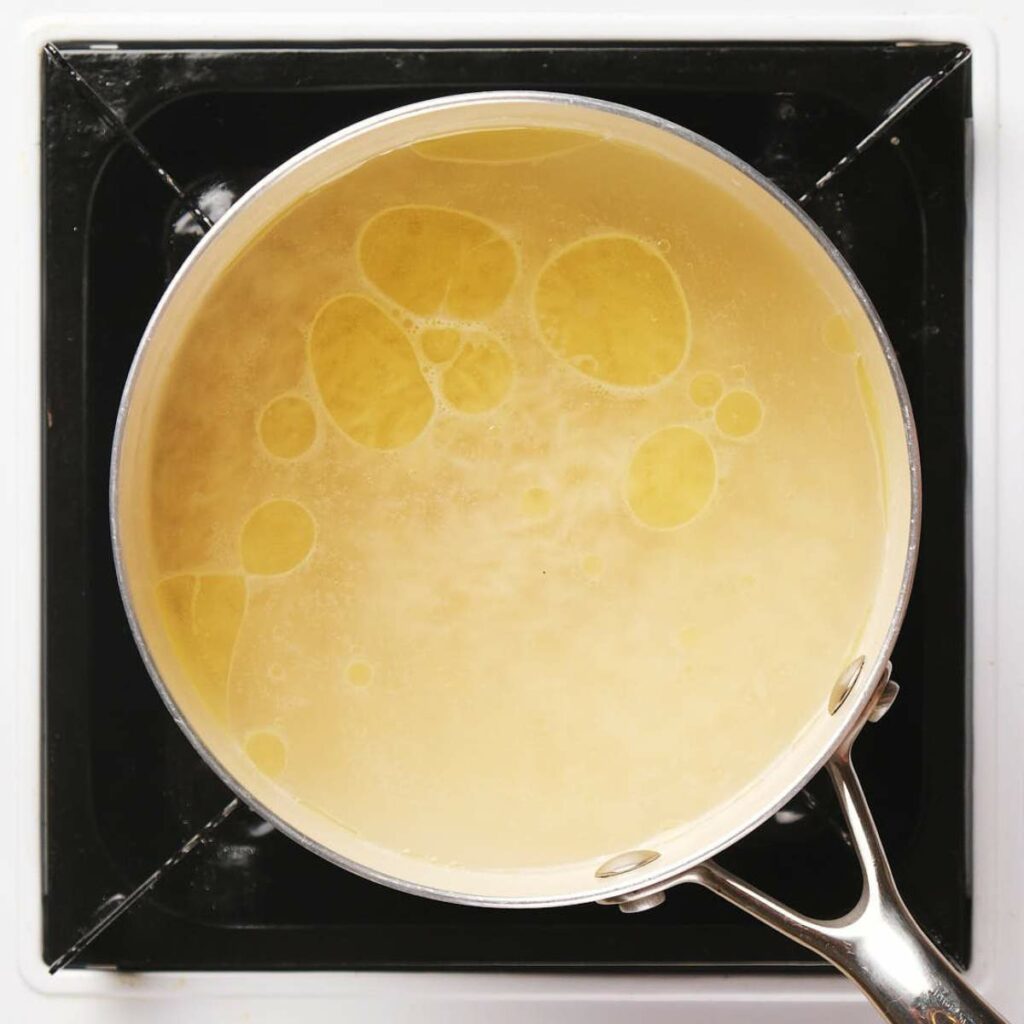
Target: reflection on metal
<point>896,112</point>
<point>844,685</point>
<point>886,698</point>
<point>626,862</point>
<point>113,120</point>
<point>638,906</point>
<point>118,905</point>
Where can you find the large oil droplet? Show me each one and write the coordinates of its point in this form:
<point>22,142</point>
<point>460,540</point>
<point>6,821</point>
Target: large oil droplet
<point>613,308</point>
<point>287,426</point>
<point>202,616</point>
<point>502,145</point>
<point>480,376</point>
<point>433,260</point>
<point>671,477</point>
<point>367,374</point>
<point>276,538</point>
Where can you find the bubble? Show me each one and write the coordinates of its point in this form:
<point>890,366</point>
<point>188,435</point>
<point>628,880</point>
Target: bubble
<point>612,307</point>
<point>359,673</point>
<point>439,344</point>
<point>501,145</point>
<point>276,537</point>
<point>536,502</point>
<point>671,477</point>
<point>202,616</point>
<point>432,260</point>
<point>837,333</point>
<point>738,414</point>
<point>706,389</point>
<point>267,750</point>
<point>367,374</point>
<point>287,426</point>
<point>480,376</point>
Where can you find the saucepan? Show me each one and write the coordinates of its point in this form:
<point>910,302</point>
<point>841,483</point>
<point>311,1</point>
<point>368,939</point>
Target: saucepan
<point>877,944</point>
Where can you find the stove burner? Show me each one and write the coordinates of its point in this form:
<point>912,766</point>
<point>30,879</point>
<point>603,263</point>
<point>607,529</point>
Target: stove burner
<point>122,786</point>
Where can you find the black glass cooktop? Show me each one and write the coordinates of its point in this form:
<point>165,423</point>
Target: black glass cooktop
<point>134,137</point>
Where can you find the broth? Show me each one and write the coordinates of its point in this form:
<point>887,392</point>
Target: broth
<point>515,498</point>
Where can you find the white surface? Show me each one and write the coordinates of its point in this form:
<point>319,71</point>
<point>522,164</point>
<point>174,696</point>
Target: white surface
<point>998,494</point>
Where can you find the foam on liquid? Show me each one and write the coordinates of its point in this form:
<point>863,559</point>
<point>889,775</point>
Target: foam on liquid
<point>515,498</point>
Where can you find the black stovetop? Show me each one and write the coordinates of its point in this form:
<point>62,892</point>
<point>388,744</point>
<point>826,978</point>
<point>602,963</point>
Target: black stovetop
<point>123,788</point>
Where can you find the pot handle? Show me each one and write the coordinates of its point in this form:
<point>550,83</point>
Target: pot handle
<point>878,945</point>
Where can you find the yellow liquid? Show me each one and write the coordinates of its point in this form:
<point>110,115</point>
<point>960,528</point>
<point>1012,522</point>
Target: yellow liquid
<point>515,499</point>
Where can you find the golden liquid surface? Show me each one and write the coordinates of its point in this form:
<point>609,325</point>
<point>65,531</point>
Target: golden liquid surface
<point>514,498</point>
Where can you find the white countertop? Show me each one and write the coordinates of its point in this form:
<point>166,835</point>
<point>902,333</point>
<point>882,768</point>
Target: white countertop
<point>995,29</point>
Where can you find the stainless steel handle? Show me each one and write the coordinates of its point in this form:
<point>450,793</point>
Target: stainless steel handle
<point>878,945</point>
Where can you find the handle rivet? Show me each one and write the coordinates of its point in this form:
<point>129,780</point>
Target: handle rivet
<point>844,685</point>
<point>642,903</point>
<point>889,693</point>
<point>626,862</point>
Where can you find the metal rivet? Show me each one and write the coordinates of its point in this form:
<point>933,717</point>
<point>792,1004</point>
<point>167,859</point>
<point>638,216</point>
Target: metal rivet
<point>889,693</point>
<point>626,862</point>
<point>642,903</point>
<point>844,685</point>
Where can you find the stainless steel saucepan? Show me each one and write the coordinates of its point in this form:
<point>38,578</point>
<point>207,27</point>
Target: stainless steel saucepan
<point>877,944</point>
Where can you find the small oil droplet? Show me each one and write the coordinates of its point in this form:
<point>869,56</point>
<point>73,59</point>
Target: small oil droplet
<point>359,673</point>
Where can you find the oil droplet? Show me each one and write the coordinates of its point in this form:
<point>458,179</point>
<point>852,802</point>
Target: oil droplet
<point>576,474</point>
<point>536,502</point>
<point>267,751</point>
<point>359,673</point>
<point>367,373</point>
<point>613,308</point>
<point>275,672</point>
<point>671,477</point>
<point>202,616</point>
<point>439,344</point>
<point>276,538</point>
<point>501,145</point>
<point>287,426</point>
<point>432,260</point>
<point>706,389</point>
<point>838,335</point>
<point>738,414</point>
<point>592,566</point>
<point>688,635</point>
<point>480,376</point>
